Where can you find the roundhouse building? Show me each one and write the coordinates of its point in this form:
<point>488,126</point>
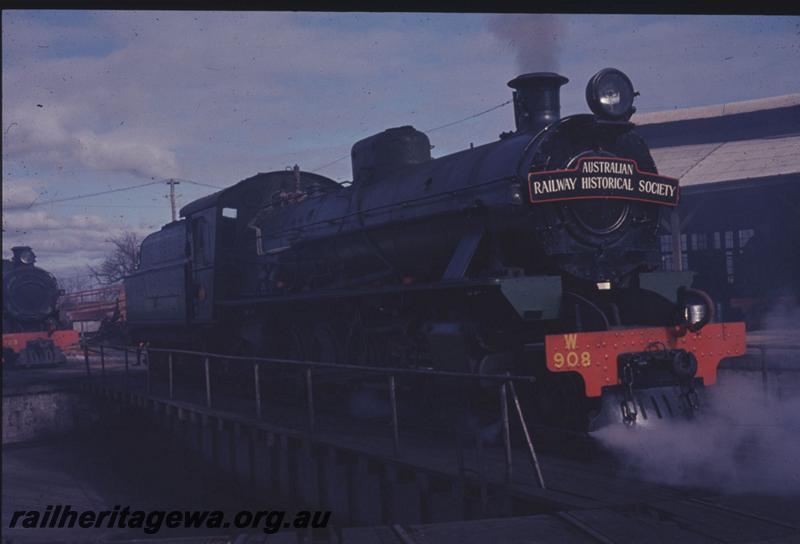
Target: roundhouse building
<point>739,215</point>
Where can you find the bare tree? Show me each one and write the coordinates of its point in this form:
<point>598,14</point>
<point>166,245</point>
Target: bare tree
<point>123,259</point>
<point>74,284</point>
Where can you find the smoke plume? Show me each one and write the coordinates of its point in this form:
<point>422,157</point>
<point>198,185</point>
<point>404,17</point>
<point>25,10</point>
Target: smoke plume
<point>745,440</point>
<point>534,38</point>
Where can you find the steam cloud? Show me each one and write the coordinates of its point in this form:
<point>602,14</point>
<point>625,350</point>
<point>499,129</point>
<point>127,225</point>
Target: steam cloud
<point>784,313</point>
<point>534,39</point>
<point>742,443</point>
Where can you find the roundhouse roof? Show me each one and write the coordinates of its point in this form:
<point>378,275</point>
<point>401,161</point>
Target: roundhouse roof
<point>726,142</point>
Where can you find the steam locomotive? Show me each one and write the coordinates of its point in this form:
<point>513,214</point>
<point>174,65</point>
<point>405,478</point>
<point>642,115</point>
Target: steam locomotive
<point>535,254</point>
<point>32,332</point>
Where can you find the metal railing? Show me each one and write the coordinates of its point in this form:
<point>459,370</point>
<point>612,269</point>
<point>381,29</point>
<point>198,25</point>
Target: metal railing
<point>504,383</point>
<point>100,294</point>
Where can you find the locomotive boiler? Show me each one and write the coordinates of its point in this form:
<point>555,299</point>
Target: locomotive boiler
<point>31,324</point>
<point>534,254</point>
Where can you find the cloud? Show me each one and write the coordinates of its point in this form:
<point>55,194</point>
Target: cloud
<point>682,61</point>
<point>218,96</point>
<point>62,242</point>
<point>180,92</point>
<point>115,152</point>
<point>53,137</point>
<point>194,88</point>
<point>43,220</point>
<point>18,196</point>
<point>27,38</point>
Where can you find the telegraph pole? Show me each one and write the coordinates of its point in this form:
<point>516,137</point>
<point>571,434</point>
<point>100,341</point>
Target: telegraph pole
<point>172,183</point>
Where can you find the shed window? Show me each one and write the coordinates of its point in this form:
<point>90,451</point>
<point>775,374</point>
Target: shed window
<point>666,243</point>
<point>729,266</point>
<point>728,239</point>
<point>744,236</point>
<point>699,241</point>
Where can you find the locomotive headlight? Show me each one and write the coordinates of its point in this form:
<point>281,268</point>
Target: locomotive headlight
<point>694,313</point>
<point>27,257</point>
<point>610,95</point>
<point>694,310</point>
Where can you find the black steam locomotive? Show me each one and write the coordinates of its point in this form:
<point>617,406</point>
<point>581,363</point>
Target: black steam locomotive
<point>31,323</point>
<point>535,254</point>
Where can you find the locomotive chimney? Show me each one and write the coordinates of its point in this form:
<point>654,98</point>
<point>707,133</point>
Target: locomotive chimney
<point>536,99</point>
<point>22,255</point>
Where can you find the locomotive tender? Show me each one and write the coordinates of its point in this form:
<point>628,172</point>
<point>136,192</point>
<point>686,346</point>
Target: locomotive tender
<point>534,254</point>
<point>31,326</point>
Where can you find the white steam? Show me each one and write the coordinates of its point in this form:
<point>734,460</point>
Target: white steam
<point>743,442</point>
<point>784,313</point>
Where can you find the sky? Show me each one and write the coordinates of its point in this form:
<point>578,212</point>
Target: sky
<point>95,101</point>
